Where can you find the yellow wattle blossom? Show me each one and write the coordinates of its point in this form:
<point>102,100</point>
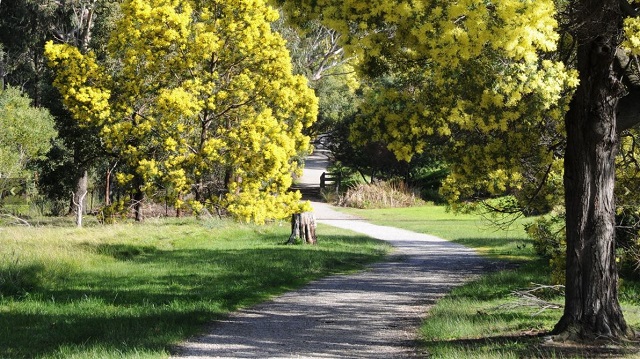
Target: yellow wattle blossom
<point>472,76</point>
<point>632,32</point>
<point>203,103</point>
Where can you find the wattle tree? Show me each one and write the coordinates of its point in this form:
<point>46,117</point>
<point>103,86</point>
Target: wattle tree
<point>197,99</point>
<point>485,80</point>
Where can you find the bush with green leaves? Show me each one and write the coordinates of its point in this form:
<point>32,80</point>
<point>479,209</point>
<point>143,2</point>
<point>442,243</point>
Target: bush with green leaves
<point>25,134</point>
<point>549,241</point>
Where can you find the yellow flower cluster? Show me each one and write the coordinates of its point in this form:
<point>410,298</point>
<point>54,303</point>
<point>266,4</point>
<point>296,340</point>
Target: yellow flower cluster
<point>203,95</point>
<point>469,74</point>
<point>632,32</point>
<point>82,83</point>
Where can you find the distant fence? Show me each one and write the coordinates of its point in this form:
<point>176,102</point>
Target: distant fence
<point>331,178</point>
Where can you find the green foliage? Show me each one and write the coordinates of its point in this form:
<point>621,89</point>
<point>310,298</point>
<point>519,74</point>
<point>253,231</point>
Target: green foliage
<point>337,102</point>
<point>549,241</point>
<point>25,132</point>
<point>110,214</point>
<point>317,54</point>
<point>24,29</point>
<point>127,291</point>
<point>429,180</point>
<point>25,136</point>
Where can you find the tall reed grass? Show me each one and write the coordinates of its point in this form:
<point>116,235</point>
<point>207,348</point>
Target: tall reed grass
<point>390,194</point>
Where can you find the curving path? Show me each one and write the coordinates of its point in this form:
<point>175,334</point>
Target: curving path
<point>371,314</point>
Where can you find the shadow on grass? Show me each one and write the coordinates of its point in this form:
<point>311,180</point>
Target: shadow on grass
<point>150,298</point>
<point>531,344</point>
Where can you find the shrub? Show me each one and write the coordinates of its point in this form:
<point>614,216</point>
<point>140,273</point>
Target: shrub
<point>549,241</point>
<point>110,214</point>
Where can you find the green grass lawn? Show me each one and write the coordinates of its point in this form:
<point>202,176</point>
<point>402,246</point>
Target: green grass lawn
<point>483,319</point>
<point>134,290</point>
<point>469,229</point>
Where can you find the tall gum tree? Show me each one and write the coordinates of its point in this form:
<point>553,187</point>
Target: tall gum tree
<point>485,80</point>
<point>200,99</point>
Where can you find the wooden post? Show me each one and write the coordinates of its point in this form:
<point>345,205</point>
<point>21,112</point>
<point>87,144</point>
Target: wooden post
<point>303,226</point>
<point>334,178</point>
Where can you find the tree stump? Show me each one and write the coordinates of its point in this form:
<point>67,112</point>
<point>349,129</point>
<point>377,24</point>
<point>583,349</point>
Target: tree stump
<point>303,226</point>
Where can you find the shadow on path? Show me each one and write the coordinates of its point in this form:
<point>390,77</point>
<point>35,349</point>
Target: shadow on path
<point>372,314</point>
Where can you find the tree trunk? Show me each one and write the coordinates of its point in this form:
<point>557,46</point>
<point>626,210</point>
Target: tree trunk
<point>179,208</point>
<point>107,186</point>
<point>79,196</point>
<point>138,198</point>
<point>591,302</point>
<point>303,226</point>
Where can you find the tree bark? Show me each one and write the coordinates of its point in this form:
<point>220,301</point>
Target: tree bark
<point>79,196</point>
<point>303,226</point>
<point>592,309</point>
<point>138,198</point>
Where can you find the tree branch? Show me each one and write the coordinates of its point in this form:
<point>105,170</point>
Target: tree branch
<point>18,219</point>
<point>527,298</point>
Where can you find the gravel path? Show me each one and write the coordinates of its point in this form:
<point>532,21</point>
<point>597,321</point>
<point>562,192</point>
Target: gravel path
<point>371,314</point>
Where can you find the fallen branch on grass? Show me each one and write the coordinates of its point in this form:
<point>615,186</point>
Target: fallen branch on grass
<point>17,219</point>
<point>528,298</point>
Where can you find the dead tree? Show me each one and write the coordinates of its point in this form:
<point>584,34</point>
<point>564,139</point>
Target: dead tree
<point>303,226</point>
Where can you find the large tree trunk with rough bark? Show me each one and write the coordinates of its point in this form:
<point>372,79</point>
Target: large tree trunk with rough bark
<point>592,309</point>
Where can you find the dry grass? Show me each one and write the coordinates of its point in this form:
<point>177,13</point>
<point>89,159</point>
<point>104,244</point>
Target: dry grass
<point>381,195</point>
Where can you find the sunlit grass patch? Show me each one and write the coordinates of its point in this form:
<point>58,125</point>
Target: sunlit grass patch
<point>135,290</point>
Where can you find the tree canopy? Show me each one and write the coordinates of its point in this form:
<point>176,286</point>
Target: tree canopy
<point>481,76</point>
<point>201,98</point>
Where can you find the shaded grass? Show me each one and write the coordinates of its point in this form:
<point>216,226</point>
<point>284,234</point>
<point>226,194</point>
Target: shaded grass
<point>135,290</point>
<point>483,319</point>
